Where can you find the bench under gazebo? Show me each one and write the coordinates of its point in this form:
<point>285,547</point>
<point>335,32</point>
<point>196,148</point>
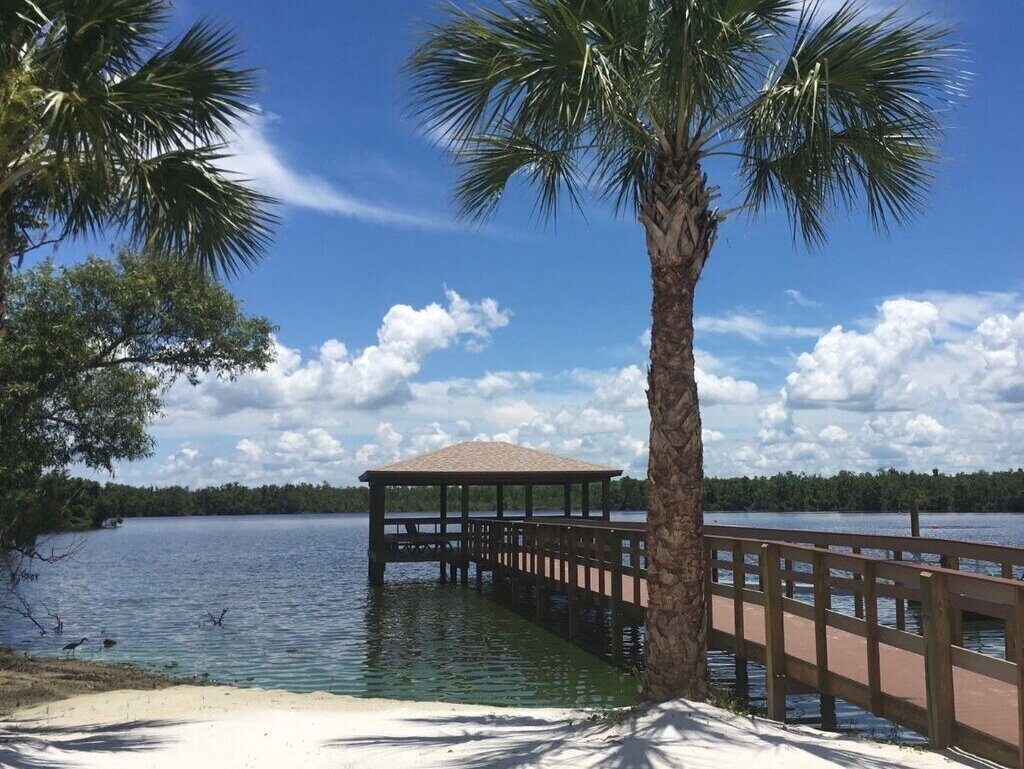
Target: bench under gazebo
<point>403,539</point>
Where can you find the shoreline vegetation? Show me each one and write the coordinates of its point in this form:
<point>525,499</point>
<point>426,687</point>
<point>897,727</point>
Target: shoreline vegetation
<point>27,681</point>
<point>879,492</point>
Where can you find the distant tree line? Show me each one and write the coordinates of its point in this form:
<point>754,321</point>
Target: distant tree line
<point>883,491</point>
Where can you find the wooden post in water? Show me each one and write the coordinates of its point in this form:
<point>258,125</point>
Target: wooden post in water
<point>938,659</point>
<point>463,544</point>
<point>376,554</point>
<point>774,634</point>
<point>443,507</point>
<point>915,517</point>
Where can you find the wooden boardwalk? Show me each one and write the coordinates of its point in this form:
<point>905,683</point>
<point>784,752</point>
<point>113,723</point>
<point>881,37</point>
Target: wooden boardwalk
<point>926,682</point>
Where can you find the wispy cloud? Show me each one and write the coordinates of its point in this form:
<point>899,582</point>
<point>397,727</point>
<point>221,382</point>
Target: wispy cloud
<point>254,156</point>
<point>797,298</point>
<point>752,327</point>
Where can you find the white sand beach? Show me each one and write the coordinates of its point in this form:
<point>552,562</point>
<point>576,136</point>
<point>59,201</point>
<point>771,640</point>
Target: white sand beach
<point>216,727</point>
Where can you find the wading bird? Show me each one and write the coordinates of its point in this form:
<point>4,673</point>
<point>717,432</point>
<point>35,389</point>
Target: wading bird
<point>70,648</point>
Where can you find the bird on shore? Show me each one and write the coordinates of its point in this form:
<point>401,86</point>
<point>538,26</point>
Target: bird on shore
<point>70,648</point>
<point>108,642</point>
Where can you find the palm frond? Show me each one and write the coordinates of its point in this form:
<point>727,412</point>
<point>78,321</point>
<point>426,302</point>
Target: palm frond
<point>100,122</point>
<point>182,202</point>
<point>852,115</point>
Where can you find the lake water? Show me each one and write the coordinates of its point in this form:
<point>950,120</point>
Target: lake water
<point>301,616</point>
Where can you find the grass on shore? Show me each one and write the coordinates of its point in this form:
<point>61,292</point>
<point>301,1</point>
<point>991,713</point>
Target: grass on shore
<point>26,681</point>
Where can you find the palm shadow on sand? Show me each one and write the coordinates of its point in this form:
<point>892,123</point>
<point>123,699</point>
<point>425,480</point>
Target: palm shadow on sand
<point>642,739</point>
<point>31,745</point>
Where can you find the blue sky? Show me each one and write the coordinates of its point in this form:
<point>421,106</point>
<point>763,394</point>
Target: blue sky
<point>923,371</point>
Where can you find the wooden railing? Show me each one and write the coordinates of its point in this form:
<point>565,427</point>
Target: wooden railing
<point>813,616</point>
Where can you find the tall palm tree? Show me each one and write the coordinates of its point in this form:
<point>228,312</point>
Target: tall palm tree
<point>633,98</point>
<point>104,126</point>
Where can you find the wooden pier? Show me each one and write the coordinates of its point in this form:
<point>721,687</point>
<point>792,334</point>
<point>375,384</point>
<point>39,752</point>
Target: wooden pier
<point>876,621</point>
<point>784,617</point>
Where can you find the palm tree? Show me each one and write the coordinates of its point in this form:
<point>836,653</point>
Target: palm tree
<point>634,98</point>
<point>105,127</point>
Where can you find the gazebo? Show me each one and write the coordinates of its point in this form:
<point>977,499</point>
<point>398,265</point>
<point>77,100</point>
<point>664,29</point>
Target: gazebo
<point>474,463</point>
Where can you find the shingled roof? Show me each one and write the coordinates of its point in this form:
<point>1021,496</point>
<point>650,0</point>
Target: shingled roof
<point>491,461</point>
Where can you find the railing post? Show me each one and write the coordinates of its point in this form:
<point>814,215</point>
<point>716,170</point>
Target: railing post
<point>1018,646</point>
<point>443,530</point>
<point>538,567</point>
<point>938,658</point>
<point>1009,634</point>
<point>901,604</point>
<point>739,582</point>
<point>573,578</point>
<point>478,542</point>
<point>822,603</point>
<point>858,591</point>
<point>871,635</point>
<point>956,614</point>
<point>634,562</point>
<point>513,559</point>
<point>616,577</point>
<point>710,577</point>
<point>463,525</point>
<point>774,633</point>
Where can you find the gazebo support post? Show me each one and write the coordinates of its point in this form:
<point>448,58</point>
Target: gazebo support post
<point>463,542</point>
<point>443,507</point>
<point>606,499</point>
<point>528,499</point>
<point>376,554</point>
<point>567,501</point>
<point>500,501</point>
<point>585,501</point>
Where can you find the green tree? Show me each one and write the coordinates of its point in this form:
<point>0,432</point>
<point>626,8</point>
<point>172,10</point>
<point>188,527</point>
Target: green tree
<point>633,98</point>
<point>89,353</point>
<point>105,125</point>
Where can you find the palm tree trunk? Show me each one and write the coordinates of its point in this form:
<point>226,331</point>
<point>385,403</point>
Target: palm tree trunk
<point>680,233</point>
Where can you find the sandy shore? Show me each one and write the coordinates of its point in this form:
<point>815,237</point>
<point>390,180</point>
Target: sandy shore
<point>218,727</point>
